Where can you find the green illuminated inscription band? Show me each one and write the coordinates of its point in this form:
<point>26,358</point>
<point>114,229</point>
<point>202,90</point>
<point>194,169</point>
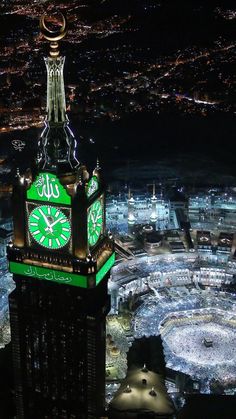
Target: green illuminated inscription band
<point>60,277</point>
<point>47,187</point>
<point>49,227</point>
<point>95,222</point>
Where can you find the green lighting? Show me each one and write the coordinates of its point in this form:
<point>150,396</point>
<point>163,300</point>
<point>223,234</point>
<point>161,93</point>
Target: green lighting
<point>39,272</point>
<point>66,278</point>
<point>95,222</point>
<point>47,187</point>
<point>105,268</point>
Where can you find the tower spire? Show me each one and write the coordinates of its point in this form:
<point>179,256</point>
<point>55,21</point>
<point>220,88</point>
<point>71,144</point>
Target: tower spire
<point>131,208</point>
<point>97,169</point>
<point>53,36</point>
<point>57,144</point>
<point>129,193</point>
<point>153,189</point>
<point>153,215</point>
<point>56,101</point>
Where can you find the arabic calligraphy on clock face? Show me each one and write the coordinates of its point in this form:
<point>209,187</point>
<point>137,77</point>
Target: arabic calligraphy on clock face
<point>49,226</point>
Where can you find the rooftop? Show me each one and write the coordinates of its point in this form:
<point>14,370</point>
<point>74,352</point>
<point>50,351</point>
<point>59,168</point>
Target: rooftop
<point>142,391</point>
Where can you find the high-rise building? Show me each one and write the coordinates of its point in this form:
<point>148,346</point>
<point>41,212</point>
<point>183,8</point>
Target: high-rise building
<point>60,259</point>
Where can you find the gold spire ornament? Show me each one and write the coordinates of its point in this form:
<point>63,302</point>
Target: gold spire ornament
<point>57,144</point>
<point>53,35</point>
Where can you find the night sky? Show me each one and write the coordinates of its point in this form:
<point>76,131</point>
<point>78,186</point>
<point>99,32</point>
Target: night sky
<point>149,32</point>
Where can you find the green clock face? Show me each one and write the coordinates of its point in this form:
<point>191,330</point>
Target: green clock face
<point>49,226</point>
<point>95,222</point>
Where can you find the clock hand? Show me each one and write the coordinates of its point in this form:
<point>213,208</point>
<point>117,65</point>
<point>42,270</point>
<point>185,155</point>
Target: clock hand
<point>55,222</point>
<point>92,216</point>
<point>98,216</point>
<point>45,218</point>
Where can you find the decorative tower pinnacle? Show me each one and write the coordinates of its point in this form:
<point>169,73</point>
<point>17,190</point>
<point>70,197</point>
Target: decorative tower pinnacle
<point>57,144</point>
<point>53,36</point>
<point>129,193</point>
<point>131,209</point>
<point>153,190</point>
<point>97,169</point>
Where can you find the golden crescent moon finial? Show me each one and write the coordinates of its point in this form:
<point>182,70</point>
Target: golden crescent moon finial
<point>53,36</point>
<point>50,35</point>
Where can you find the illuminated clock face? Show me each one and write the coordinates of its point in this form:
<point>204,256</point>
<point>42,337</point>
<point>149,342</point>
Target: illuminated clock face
<point>95,222</point>
<point>49,226</point>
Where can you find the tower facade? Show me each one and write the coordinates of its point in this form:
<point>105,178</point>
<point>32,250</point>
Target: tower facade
<point>60,259</point>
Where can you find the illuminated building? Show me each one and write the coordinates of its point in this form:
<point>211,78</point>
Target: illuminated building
<point>5,237</point>
<point>60,259</point>
<point>141,394</point>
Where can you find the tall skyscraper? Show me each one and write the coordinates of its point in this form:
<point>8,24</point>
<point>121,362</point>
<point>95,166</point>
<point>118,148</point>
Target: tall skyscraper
<point>60,259</point>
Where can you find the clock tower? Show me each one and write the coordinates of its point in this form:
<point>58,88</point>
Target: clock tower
<point>60,259</point>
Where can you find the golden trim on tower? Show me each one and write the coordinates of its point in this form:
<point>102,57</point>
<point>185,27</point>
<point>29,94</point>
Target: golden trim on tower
<point>53,35</point>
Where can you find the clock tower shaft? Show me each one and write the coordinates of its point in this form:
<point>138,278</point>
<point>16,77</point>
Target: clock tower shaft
<point>60,258</point>
<point>58,341</point>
